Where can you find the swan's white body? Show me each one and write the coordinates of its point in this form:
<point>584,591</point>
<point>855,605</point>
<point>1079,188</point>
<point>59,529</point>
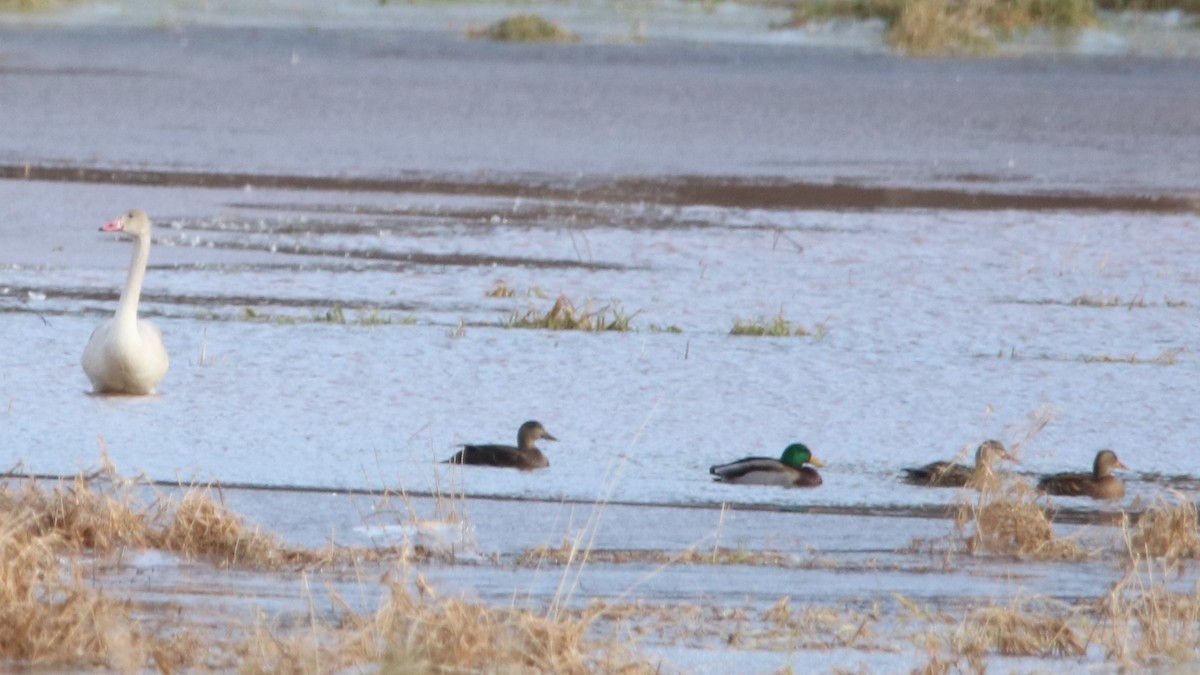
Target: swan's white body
<point>126,355</point>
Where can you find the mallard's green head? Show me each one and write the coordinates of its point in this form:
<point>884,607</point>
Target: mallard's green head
<point>798,454</point>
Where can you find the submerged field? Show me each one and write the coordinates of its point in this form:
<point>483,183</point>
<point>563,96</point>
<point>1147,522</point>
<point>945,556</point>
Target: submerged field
<point>376,248</point>
<point>329,350</point>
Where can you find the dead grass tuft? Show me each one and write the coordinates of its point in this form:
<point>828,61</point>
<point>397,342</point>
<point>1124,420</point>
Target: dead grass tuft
<point>1144,622</point>
<point>1007,520</point>
<point>935,27</point>
<point>95,511</point>
<point>103,512</point>
<point>203,527</point>
<point>1018,631</point>
<point>422,633</point>
<point>943,27</point>
<point>1167,531</point>
<point>50,616</point>
<point>501,290</point>
<point>525,28</point>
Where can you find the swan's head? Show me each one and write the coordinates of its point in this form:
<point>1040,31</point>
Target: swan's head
<point>134,223</point>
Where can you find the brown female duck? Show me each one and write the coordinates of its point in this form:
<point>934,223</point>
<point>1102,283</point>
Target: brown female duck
<point>525,456</point>
<point>948,474</point>
<point>1099,484</point>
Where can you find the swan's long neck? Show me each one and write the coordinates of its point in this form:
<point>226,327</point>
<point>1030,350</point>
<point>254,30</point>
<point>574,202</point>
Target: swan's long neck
<point>127,309</point>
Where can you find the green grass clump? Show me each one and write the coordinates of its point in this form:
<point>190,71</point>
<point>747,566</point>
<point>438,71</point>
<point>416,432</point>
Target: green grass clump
<point>669,328</point>
<point>778,327</point>
<point>525,28</point>
<point>564,315</point>
<point>366,316</point>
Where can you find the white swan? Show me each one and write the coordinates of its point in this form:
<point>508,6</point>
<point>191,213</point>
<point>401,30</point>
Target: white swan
<point>126,355</point>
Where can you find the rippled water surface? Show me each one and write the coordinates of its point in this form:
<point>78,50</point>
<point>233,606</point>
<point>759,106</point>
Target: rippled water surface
<point>968,249</point>
<point>929,332</point>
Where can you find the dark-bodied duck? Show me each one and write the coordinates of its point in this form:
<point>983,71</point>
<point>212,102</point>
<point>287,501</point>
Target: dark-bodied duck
<point>787,471</point>
<point>1099,484</point>
<point>525,456</point>
<point>949,474</point>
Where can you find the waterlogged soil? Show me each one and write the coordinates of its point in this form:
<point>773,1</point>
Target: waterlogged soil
<point>331,303</point>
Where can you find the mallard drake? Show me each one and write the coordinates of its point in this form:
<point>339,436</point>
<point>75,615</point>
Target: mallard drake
<point>1099,484</point>
<point>787,471</point>
<point>948,474</point>
<point>525,456</point>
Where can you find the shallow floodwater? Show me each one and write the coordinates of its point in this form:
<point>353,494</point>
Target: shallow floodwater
<point>931,331</point>
<point>327,299</point>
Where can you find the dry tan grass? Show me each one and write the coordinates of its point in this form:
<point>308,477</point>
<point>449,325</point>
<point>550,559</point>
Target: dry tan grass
<point>53,613</point>
<point>102,512</point>
<point>501,290</point>
<point>95,511</point>
<point>524,28</point>
<point>1019,631</point>
<point>1017,527</point>
<point>1167,531</point>
<point>942,27</point>
<point>1142,622</point>
<point>933,27</point>
<point>204,527</point>
<point>1005,519</point>
<point>1004,516</point>
<point>780,627</point>
<point>421,633</point>
<point>1038,628</point>
<point>51,616</point>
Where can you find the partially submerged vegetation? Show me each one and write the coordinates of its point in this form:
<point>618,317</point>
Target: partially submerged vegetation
<point>59,540</point>
<point>31,5</point>
<point>777,327</point>
<point>938,27</point>
<point>55,612</point>
<point>363,316</point>
<point>1167,531</point>
<point>567,554</point>
<point>1005,518</point>
<point>564,315</point>
<point>501,289</point>
<point>525,28</point>
<point>1167,357</point>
